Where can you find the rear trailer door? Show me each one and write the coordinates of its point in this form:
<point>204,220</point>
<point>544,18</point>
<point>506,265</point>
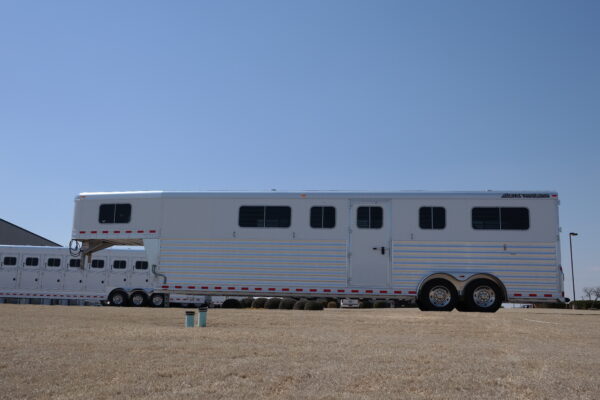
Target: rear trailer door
<point>370,236</point>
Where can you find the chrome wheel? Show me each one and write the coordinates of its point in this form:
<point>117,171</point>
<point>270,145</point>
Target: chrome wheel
<point>117,299</point>
<point>440,296</point>
<point>484,296</point>
<point>137,299</point>
<point>157,300</point>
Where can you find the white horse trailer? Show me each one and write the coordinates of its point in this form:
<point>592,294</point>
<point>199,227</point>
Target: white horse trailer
<point>469,250</point>
<point>51,275</point>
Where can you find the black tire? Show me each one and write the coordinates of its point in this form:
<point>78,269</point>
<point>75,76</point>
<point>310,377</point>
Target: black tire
<point>157,300</point>
<point>462,306</point>
<point>118,298</point>
<point>138,299</point>
<point>437,295</point>
<point>483,295</point>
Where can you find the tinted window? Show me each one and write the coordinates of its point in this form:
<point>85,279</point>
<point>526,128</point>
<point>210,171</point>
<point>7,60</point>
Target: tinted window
<point>114,213</point>
<point>500,218</point>
<point>322,217</point>
<point>98,264</point>
<point>432,217</point>
<point>31,261</point>
<point>265,216</point>
<point>10,261</point>
<point>54,262</point>
<point>369,217</point>
<point>119,264</point>
<point>141,265</point>
<point>74,263</point>
<point>514,218</point>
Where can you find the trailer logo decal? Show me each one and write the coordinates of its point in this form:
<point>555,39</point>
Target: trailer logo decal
<point>525,195</point>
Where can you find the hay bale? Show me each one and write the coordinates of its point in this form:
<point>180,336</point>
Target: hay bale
<point>299,305</point>
<point>333,304</point>
<point>247,302</point>
<point>231,303</point>
<point>313,305</point>
<point>259,302</point>
<point>287,304</point>
<point>273,303</point>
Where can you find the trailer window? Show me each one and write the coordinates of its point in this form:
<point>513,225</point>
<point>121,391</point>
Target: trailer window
<point>31,261</point>
<point>119,264</point>
<point>114,213</point>
<point>265,217</point>
<point>75,263</point>
<point>505,218</point>
<point>54,262</point>
<point>322,217</point>
<point>369,217</point>
<point>141,265</point>
<point>99,264</point>
<point>10,261</point>
<point>432,217</point>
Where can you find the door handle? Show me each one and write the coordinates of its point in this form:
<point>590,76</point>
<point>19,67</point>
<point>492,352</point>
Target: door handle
<point>382,249</point>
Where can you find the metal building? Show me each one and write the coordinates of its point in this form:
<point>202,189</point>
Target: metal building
<point>11,234</point>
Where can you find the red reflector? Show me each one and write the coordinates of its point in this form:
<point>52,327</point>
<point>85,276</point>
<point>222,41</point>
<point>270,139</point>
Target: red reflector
<point>547,295</point>
<point>116,231</point>
<point>272,289</point>
<point>397,291</point>
<point>140,231</point>
<point>327,290</point>
<point>286,290</point>
<point>152,231</point>
<point>354,291</point>
<point>104,231</point>
<point>177,287</point>
<point>299,290</point>
<point>554,195</point>
<point>383,291</point>
<point>127,231</point>
<point>217,287</point>
<point>165,286</point>
<point>230,288</point>
<point>93,231</point>
<point>412,292</point>
<point>341,290</point>
<point>191,287</point>
<point>257,288</point>
<point>313,290</point>
<point>81,231</point>
<point>244,288</point>
<point>204,287</point>
<point>532,295</point>
<point>517,294</point>
<point>368,291</point>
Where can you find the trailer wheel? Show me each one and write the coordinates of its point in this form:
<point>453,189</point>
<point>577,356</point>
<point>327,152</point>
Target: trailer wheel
<point>118,298</point>
<point>483,295</point>
<point>437,295</point>
<point>157,300</point>
<point>138,299</point>
<point>462,306</point>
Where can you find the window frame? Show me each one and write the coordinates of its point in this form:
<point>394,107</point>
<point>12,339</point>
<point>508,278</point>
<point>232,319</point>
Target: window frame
<point>98,260</point>
<point>53,266</point>
<point>37,262</point>
<point>135,265</point>
<point>265,207</point>
<point>10,257</point>
<point>500,219</point>
<point>74,259</point>
<point>119,261</point>
<point>323,207</point>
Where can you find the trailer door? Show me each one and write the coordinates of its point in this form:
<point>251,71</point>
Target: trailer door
<point>370,236</point>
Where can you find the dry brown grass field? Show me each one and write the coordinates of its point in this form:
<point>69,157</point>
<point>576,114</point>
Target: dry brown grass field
<point>104,353</point>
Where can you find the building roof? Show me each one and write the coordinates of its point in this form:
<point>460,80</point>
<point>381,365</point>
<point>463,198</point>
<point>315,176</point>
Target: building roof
<point>11,234</point>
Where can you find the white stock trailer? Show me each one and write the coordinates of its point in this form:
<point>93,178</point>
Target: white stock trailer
<point>469,250</point>
<point>51,275</point>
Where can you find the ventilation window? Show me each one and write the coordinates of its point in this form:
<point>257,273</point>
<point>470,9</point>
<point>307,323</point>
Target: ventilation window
<point>31,261</point>
<point>432,217</point>
<point>98,264</point>
<point>141,265</point>
<point>75,263</point>
<point>322,217</point>
<point>119,264</point>
<point>504,218</point>
<point>10,261</point>
<point>54,262</point>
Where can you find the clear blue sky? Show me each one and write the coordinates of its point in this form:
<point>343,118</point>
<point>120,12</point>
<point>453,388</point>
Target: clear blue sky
<point>369,95</point>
